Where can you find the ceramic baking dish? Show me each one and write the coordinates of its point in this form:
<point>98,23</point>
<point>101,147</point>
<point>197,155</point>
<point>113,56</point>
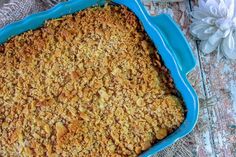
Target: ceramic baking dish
<point>165,34</point>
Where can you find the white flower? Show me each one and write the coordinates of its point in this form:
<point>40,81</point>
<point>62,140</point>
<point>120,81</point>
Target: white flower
<point>214,22</point>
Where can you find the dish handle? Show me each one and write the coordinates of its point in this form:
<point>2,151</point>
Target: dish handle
<point>176,41</point>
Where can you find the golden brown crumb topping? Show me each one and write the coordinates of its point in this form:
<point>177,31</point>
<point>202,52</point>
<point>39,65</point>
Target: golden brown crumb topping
<point>87,84</point>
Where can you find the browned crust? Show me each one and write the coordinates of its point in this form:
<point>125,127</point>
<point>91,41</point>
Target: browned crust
<point>88,84</point>
<point>2,49</point>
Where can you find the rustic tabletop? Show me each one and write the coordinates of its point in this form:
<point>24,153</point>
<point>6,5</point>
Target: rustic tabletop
<point>215,83</point>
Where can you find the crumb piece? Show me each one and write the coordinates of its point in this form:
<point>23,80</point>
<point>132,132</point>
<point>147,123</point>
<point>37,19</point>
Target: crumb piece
<point>84,116</point>
<point>145,145</point>
<point>60,129</point>
<point>161,133</point>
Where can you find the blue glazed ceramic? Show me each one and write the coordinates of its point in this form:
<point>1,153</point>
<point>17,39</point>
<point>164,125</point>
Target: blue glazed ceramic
<point>167,37</point>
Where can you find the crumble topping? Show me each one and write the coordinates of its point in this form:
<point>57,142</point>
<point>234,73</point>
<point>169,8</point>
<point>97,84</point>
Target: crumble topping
<point>89,84</point>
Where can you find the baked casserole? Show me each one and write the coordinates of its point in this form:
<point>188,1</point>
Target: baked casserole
<point>87,84</point>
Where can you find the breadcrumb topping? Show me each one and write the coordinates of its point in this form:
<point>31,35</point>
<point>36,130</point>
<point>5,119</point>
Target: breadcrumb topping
<point>89,84</point>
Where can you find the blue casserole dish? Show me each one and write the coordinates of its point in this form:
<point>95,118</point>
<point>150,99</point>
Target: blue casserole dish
<point>167,37</point>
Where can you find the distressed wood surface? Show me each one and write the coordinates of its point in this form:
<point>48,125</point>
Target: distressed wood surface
<point>215,83</point>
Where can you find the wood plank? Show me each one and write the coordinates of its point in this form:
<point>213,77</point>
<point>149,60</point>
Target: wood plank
<point>220,82</point>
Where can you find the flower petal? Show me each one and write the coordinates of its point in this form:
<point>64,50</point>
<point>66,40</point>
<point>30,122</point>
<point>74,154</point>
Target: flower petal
<point>212,2</point>
<point>201,3</point>
<point>231,8</point>
<point>234,22</point>
<point>228,46</point>
<point>199,14</point>
<point>226,33</point>
<point>206,47</point>
<point>209,20</point>
<point>224,23</point>
<point>212,43</point>
<point>216,37</point>
<point>223,10</point>
<point>213,11</point>
<point>210,30</point>
<point>197,29</point>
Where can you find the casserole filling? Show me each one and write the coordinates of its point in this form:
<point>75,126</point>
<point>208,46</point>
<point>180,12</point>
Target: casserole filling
<point>89,84</point>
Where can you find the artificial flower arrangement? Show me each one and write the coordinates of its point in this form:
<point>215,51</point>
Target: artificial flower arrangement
<point>214,23</point>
